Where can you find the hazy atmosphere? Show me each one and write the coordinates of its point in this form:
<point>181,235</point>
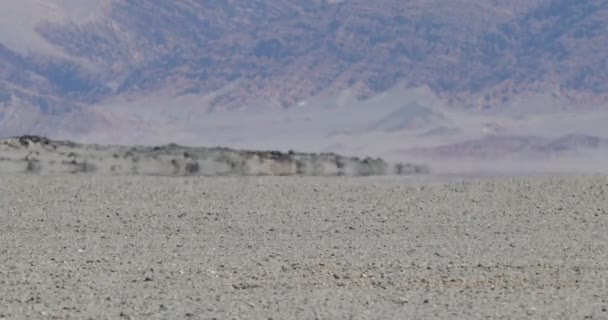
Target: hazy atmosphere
<point>459,85</point>
<point>303,159</point>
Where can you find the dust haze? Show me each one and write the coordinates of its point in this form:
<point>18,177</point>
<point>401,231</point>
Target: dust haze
<point>396,126</point>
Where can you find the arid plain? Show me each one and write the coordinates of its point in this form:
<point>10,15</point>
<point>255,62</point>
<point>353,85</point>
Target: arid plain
<point>133,247</point>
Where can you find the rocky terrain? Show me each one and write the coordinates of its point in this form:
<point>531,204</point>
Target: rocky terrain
<point>415,74</point>
<point>85,247</point>
<point>239,54</point>
<point>39,155</point>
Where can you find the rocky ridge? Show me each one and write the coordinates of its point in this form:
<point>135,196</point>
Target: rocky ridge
<point>40,155</point>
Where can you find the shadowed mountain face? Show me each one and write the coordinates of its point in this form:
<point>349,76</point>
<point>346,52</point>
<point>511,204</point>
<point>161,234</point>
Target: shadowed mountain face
<point>451,46</point>
<point>59,70</point>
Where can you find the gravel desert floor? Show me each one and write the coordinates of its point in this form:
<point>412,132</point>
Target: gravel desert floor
<point>92,247</point>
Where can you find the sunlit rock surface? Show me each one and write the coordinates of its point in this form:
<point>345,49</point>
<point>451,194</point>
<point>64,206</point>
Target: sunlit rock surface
<point>39,155</point>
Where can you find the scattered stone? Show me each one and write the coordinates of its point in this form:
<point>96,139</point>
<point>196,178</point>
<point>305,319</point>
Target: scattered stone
<point>40,155</point>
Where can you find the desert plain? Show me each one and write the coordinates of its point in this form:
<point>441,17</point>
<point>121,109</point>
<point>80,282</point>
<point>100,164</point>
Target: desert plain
<point>139,247</point>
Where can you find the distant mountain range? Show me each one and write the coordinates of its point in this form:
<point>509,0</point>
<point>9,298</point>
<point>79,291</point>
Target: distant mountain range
<point>84,68</point>
<point>497,147</point>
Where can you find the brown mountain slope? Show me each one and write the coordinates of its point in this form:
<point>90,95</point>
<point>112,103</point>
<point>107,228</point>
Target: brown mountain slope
<point>477,54</point>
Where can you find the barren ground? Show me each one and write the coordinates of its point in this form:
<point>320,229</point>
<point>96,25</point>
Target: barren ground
<point>328,248</point>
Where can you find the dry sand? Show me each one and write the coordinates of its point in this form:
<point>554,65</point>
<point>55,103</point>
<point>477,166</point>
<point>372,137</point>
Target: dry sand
<point>283,248</point>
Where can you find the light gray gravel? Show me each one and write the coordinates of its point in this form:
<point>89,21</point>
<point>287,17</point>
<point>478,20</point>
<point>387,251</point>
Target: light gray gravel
<point>258,248</point>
